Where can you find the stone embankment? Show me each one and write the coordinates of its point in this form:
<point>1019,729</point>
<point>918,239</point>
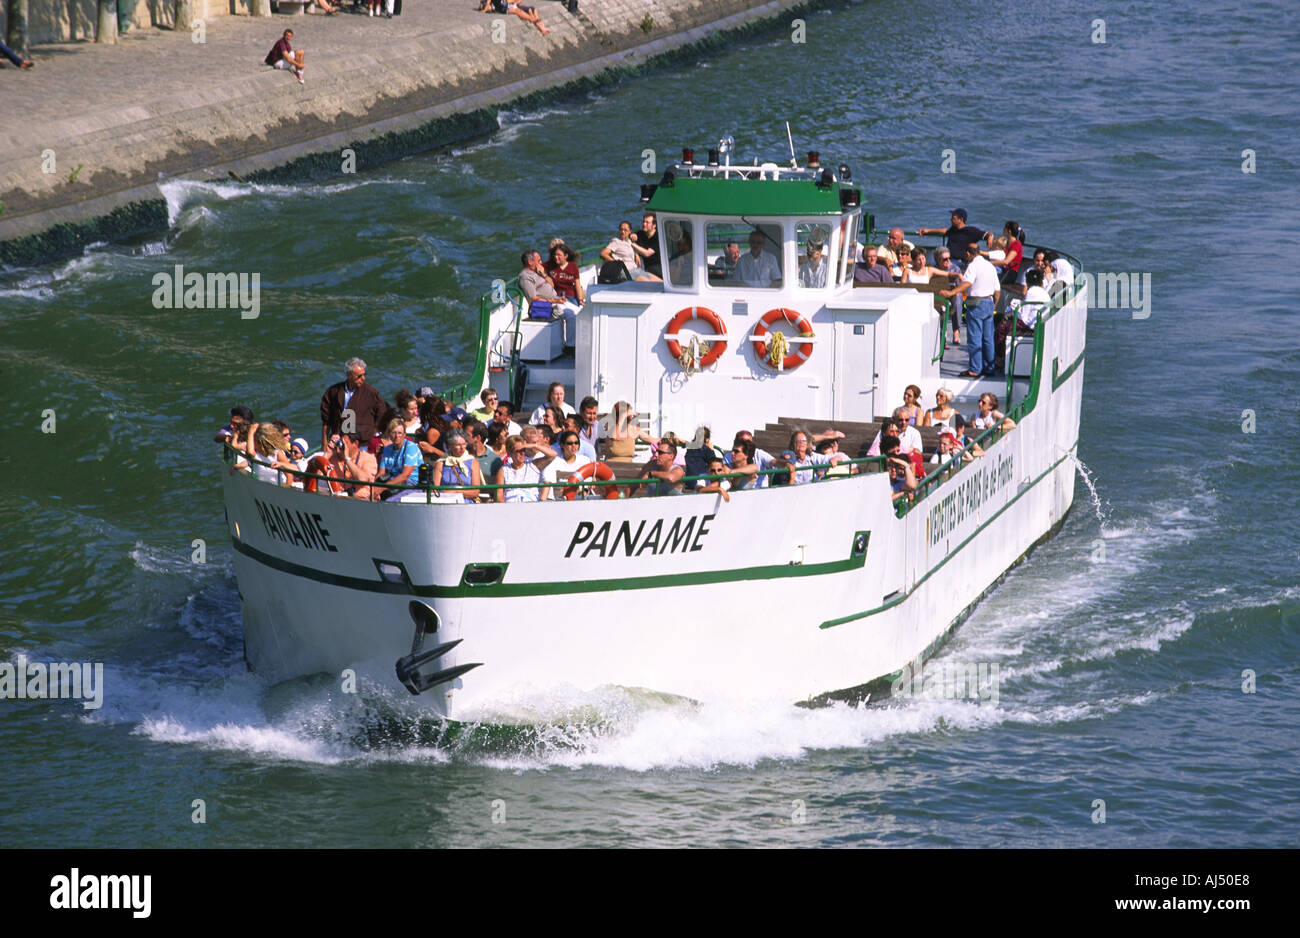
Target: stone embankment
<point>89,132</point>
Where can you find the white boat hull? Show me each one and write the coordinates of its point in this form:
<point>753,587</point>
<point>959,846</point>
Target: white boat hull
<point>765,595</point>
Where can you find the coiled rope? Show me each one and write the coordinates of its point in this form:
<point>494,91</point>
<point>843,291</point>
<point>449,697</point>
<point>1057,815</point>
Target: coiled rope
<point>776,351</point>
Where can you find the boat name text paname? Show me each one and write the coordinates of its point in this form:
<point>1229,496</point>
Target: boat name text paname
<point>295,527</point>
<point>681,537</point>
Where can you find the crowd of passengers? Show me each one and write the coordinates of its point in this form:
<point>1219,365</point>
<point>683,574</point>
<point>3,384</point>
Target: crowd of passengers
<point>423,439</point>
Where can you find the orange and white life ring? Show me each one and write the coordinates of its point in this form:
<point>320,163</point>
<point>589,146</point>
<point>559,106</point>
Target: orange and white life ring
<point>319,465</point>
<point>601,471</point>
<point>794,318</point>
<point>718,341</point>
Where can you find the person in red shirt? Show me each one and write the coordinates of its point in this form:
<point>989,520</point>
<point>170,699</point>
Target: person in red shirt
<point>1015,253</point>
<point>562,268</point>
<point>283,55</point>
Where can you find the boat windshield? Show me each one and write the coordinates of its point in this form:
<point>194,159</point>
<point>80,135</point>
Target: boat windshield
<point>814,248</point>
<point>744,256</point>
<point>680,234</point>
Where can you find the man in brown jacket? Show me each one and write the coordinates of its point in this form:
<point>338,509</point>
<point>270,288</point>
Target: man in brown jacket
<point>351,398</point>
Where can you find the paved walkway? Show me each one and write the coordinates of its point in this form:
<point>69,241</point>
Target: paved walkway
<point>158,103</point>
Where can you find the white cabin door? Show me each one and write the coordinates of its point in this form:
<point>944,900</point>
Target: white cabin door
<point>617,344</point>
<point>854,381</point>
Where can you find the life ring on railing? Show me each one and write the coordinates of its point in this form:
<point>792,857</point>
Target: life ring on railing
<point>718,342</point>
<point>320,466</point>
<point>602,473</point>
<point>795,319</point>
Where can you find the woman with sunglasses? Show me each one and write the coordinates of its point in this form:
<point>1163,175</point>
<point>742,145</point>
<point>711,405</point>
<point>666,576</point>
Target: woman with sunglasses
<point>521,469</point>
<point>458,470</point>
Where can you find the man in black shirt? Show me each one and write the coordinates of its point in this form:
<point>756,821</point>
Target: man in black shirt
<point>648,238</point>
<point>959,235</point>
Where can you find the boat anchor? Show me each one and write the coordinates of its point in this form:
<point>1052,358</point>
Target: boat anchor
<point>408,666</point>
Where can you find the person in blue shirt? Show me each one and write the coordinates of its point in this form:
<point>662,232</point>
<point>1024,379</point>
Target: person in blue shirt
<point>399,461</point>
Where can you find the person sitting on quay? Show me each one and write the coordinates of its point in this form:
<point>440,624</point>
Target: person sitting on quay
<point>661,475</point>
<point>399,460</point>
<point>283,55</point>
<point>13,56</point>
<point>526,13</point>
<point>958,236</point>
<point>351,398</point>
<point>520,468</point>
<point>458,469</point>
<point>871,270</point>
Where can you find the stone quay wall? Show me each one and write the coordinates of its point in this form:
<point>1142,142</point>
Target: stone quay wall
<point>86,136</point>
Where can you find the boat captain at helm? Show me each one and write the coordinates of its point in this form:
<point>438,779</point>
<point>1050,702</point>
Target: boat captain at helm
<point>758,268</point>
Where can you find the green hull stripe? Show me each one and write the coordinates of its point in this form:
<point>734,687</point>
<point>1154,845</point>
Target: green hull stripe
<point>1060,377</point>
<point>499,590</point>
<point>831,623</point>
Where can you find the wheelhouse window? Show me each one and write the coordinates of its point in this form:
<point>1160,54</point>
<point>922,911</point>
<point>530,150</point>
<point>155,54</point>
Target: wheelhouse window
<point>813,239</point>
<point>744,256</point>
<point>679,235</point>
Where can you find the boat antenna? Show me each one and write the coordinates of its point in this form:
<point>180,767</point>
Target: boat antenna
<point>793,162</point>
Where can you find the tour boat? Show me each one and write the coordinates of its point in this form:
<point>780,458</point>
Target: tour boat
<point>803,592</point>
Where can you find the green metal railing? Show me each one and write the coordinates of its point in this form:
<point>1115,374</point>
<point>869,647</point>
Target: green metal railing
<point>431,488</point>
